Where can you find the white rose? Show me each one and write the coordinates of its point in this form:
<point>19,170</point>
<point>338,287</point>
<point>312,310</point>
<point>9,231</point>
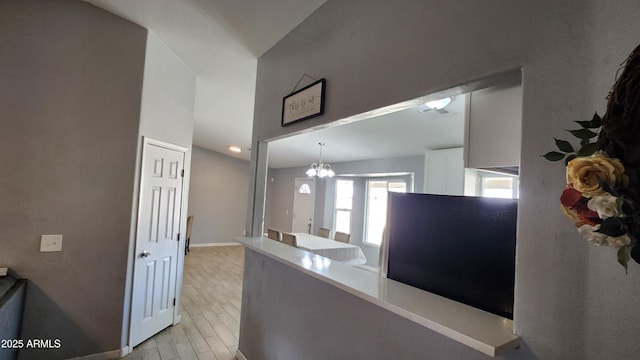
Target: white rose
<point>590,234</point>
<point>605,205</point>
<point>619,241</point>
<point>600,239</point>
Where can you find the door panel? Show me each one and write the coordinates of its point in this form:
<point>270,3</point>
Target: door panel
<point>157,245</point>
<point>303,205</point>
<point>164,291</point>
<point>148,288</point>
<point>154,220</point>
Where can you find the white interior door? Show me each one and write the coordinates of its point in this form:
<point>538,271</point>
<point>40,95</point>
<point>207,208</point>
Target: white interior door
<point>303,205</point>
<point>157,245</point>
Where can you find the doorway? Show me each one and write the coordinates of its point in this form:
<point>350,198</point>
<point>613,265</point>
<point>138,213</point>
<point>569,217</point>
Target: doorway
<point>303,205</point>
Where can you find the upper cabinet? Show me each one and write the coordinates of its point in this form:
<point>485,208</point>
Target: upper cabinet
<point>493,127</point>
<point>444,172</point>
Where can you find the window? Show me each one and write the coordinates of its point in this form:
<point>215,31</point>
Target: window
<point>497,185</point>
<point>344,204</point>
<point>305,189</point>
<point>376,210</point>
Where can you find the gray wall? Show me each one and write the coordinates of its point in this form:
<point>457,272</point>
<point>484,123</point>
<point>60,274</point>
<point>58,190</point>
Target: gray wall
<point>168,96</point>
<point>218,196</point>
<point>70,97</point>
<point>572,300</point>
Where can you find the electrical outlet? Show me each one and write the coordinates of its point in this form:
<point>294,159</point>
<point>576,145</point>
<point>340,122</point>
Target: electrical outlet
<point>50,243</point>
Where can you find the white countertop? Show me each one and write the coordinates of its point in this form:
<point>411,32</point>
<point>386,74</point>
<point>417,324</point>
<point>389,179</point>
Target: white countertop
<point>488,333</point>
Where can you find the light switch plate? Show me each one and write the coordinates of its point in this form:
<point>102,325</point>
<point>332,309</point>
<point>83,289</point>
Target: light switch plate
<point>50,243</point>
<point>3,271</point>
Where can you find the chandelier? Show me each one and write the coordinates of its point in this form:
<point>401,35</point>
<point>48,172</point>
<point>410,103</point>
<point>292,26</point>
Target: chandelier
<point>320,169</point>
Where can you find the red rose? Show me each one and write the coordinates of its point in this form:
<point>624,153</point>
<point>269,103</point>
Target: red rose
<point>570,197</point>
<point>573,200</point>
<point>588,216</point>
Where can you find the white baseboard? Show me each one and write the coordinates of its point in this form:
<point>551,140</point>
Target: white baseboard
<point>240,355</point>
<point>114,354</point>
<point>125,351</point>
<point>215,244</point>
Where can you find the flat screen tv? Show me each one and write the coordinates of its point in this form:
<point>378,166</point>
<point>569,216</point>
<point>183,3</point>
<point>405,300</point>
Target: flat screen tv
<point>459,247</point>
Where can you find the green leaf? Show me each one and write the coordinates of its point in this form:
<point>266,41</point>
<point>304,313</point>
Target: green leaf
<point>588,149</point>
<point>594,123</point>
<point>564,145</point>
<point>584,124</point>
<point>612,227</point>
<point>624,254</point>
<point>569,158</point>
<point>583,133</point>
<point>554,156</point>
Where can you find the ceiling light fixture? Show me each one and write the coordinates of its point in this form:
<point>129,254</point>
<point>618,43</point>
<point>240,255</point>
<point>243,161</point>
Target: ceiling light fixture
<point>438,104</point>
<point>235,149</point>
<point>320,169</point>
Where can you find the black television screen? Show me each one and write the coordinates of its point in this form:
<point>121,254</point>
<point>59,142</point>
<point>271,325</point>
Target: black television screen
<point>459,247</point>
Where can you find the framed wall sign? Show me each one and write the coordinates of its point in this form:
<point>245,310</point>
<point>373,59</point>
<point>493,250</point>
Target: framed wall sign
<point>304,104</point>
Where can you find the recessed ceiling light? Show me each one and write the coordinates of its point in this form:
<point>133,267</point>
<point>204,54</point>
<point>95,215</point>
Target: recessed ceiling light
<point>438,104</point>
<point>235,149</point>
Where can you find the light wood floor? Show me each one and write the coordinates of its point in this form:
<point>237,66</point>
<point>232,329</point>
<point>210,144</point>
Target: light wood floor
<point>211,296</point>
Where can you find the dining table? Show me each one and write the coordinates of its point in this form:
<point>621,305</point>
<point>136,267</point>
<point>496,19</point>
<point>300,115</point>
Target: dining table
<point>346,253</point>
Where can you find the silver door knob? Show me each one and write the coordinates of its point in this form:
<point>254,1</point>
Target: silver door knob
<point>145,254</point>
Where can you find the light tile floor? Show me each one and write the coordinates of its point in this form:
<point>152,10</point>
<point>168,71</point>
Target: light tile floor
<point>211,296</point>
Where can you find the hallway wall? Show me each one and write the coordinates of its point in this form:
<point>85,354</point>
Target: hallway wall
<point>70,98</point>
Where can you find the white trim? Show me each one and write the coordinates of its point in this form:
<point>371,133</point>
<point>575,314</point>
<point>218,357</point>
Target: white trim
<point>186,153</point>
<point>240,355</point>
<point>215,244</point>
<point>147,140</point>
<point>177,319</point>
<point>368,268</point>
<point>113,354</point>
<point>125,351</point>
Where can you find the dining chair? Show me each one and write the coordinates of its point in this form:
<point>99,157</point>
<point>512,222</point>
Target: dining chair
<point>274,234</point>
<point>188,234</point>
<point>343,237</point>
<point>289,239</point>
<point>324,232</point>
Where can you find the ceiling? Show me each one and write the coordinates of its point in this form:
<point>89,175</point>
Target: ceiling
<point>221,40</point>
<point>401,133</point>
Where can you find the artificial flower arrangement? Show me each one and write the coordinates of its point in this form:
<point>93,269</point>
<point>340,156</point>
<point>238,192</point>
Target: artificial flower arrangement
<point>603,186</point>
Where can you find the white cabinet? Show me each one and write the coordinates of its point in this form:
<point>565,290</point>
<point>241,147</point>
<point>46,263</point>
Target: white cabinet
<point>494,127</point>
<point>444,172</point>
